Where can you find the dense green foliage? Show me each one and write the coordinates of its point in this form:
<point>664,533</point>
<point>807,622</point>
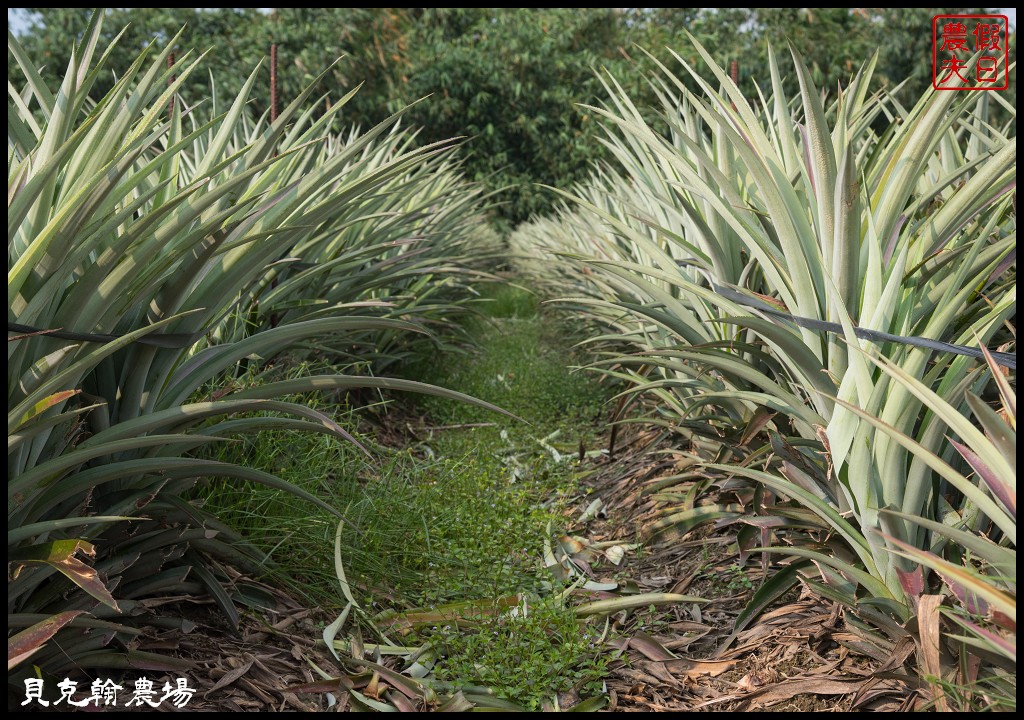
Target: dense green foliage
<point>687,248</point>
<point>180,247</point>
<point>508,78</point>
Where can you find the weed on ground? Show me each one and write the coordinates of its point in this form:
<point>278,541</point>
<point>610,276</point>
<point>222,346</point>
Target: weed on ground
<point>458,514</point>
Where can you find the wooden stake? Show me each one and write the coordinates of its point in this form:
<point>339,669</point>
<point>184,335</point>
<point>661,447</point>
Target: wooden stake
<point>734,73</point>
<point>170,81</point>
<point>273,82</point>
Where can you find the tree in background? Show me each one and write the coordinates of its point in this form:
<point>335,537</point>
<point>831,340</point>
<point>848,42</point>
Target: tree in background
<point>510,80</point>
<point>372,41</point>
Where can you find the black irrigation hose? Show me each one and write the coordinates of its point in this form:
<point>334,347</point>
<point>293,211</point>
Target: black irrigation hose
<point>1008,360</point>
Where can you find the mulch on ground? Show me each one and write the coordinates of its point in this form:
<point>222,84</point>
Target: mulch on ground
<point>798,655</point>
<point>251,668</point>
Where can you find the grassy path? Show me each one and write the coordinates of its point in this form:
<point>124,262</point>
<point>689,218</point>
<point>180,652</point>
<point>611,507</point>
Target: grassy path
<point>450,528</point>
<point>508,483</point>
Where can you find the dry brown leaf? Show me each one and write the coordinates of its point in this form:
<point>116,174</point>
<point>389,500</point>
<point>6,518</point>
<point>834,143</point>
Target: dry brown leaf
<point>928,628</point>
<point>323,686</point>
<point>872,693</point>
<point>649,647</point>
<point>900,654</point>
<point>254,689</point>
<point>680,667</point>
<point>659,671</point>
<point>401,702</point>
<point>296,704</point>
<point>640,679</point>
<point>680,587</point>
<point>230,677</point>
<point>788,689</point>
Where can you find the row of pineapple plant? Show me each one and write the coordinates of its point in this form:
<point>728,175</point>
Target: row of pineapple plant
<point>884,475</point>
<point>157,246</point>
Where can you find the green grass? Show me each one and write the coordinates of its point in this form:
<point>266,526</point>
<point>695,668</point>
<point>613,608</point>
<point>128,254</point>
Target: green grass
<point>522,365</point>
<point>509,301</point>
<point>461,514</point>
<point>425,531</point>
<point>528,656</point>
